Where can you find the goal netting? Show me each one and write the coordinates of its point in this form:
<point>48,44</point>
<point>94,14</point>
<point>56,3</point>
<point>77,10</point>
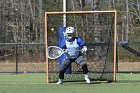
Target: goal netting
<point>98,30</point>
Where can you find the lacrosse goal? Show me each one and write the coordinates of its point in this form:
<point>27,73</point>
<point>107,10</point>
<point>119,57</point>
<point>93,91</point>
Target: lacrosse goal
<point>98,30</point>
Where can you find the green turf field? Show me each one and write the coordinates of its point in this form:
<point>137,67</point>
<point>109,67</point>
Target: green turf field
<point>36,83</point>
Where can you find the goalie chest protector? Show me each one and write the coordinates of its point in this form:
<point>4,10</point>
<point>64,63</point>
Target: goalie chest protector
<point>73,48</point>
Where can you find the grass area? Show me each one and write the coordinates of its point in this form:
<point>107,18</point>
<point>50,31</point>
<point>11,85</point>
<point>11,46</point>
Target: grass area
<point>36,83</point>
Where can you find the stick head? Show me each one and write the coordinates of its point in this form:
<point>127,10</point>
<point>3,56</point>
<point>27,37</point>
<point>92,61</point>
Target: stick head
<point>54,52</point>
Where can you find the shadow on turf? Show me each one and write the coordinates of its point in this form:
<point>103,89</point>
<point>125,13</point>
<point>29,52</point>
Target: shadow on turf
<point>100,82</point>
<point>128,81</point>
<point>84,82</point>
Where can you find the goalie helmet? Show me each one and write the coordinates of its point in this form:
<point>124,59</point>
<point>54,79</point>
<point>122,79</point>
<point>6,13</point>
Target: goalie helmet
<point>69,32</point>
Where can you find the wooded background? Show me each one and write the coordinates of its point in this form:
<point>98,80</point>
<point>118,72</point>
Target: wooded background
<point>22,21</point>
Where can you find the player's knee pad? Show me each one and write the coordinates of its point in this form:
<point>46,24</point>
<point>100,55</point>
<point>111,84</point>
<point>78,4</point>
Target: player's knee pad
<point>80,61</point>
<point>64,65</point>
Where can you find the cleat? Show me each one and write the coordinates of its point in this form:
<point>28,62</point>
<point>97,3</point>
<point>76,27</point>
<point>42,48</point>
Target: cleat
<point>87,79</point>
<point>60,81</point>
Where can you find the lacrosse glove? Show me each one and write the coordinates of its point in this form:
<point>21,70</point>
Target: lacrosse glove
<point>84,49</point>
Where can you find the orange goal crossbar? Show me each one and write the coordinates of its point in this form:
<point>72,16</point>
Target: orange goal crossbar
<point>82,12</point>
<point>79,12</point>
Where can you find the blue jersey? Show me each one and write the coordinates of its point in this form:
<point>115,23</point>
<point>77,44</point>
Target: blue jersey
<point>73,47</point>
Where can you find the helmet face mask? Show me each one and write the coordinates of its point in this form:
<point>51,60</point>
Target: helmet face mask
<point>69,32</point>
<point>70,35</point>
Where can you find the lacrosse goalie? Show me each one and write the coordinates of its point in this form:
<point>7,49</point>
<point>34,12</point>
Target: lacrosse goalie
<point>73,47</point>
